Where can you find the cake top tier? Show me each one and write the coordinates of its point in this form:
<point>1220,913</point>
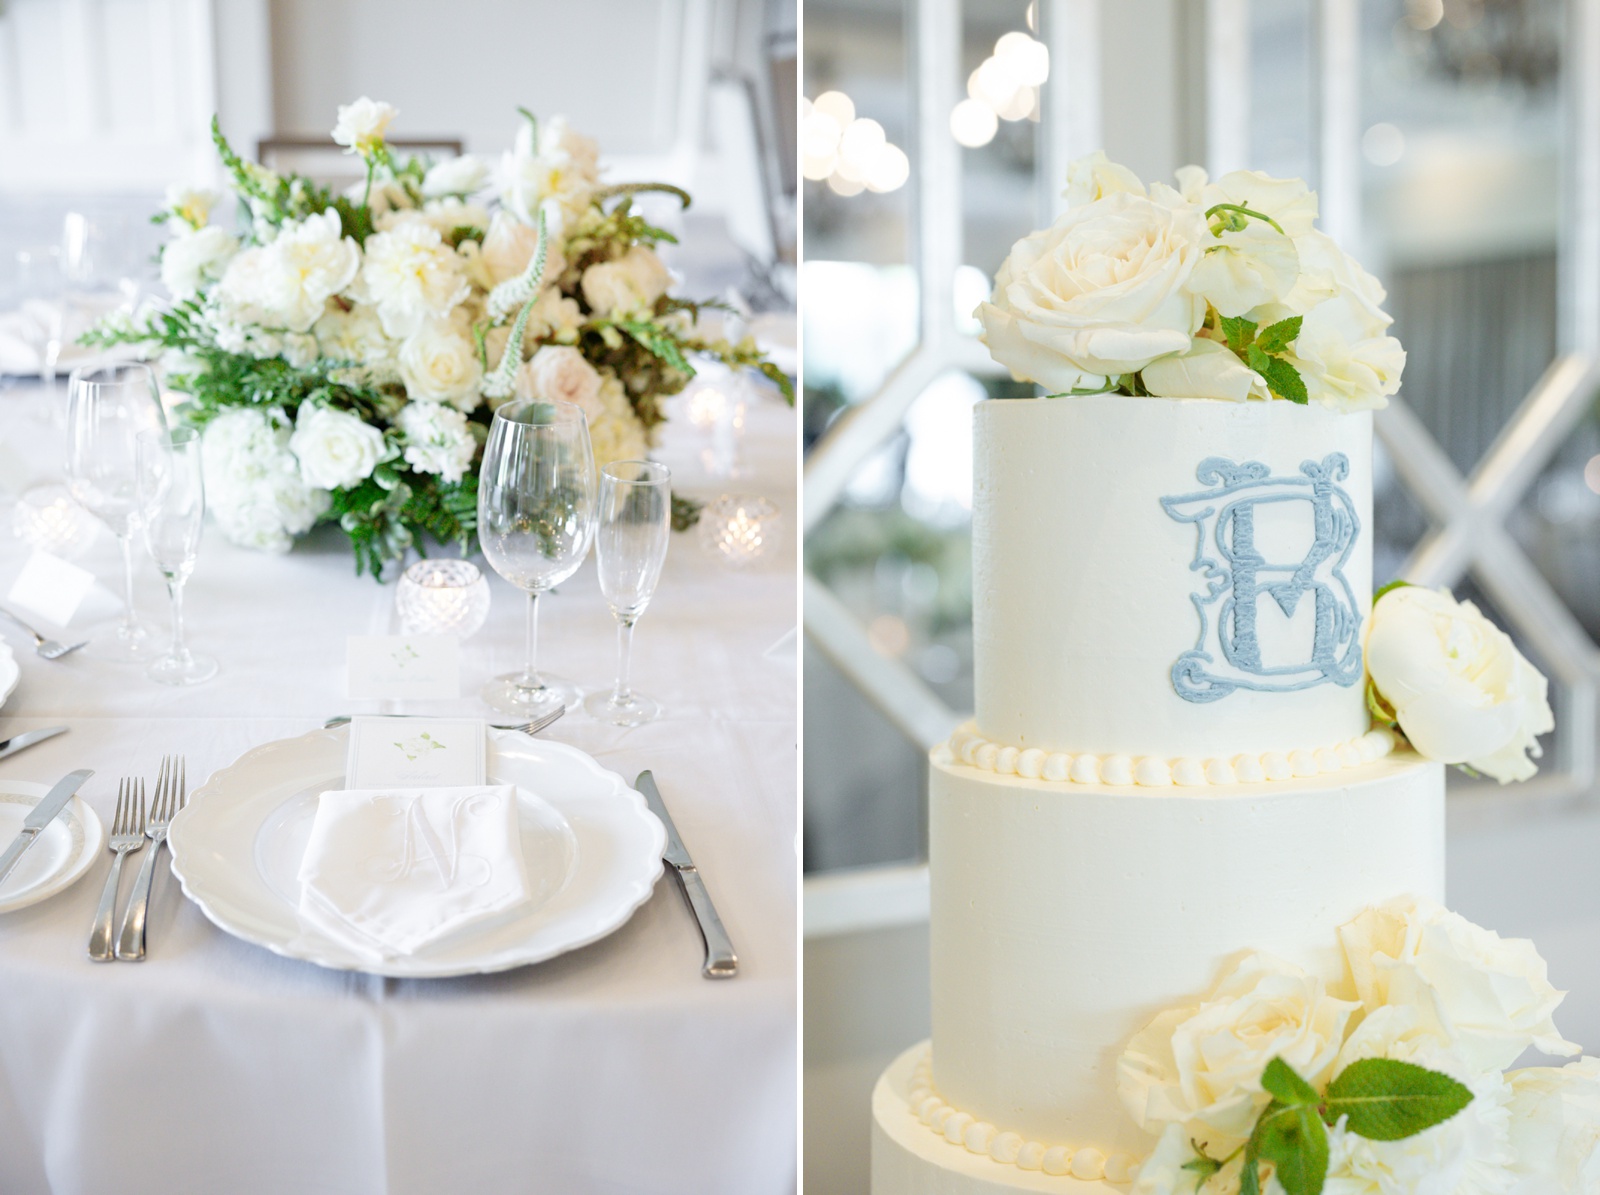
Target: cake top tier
<point>1177,579</point>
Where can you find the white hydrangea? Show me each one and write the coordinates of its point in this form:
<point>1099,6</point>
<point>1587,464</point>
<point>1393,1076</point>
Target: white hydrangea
<point>335,448</point>
<point>285,285</point>
<point>253,484</point>
<point>361,125</point>
<point>194,259</point>
<point>438,439</point>
<point>411,276</point>
<point>629,285</point>
<point>439,362</point>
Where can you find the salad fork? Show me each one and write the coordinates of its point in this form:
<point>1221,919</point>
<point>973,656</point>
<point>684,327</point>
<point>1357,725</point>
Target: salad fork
<point>49,649</point>
<point>127,836</point>
<point>172,789</point>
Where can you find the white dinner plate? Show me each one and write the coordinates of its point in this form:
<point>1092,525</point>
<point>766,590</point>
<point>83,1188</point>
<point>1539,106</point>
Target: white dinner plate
<point>10,672</point>
<point>591,847</point>
<point>66,848</point>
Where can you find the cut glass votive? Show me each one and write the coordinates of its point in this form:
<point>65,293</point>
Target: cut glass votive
<point>442,597</point>
<point>739,528</point>
<point>47,518</point>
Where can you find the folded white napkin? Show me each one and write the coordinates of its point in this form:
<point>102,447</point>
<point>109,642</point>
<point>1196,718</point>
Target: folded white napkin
<point>25,332</point>
<point>388,871</point>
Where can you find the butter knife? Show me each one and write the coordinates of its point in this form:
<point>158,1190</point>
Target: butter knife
<point>41,816</point>
<point>721,962</point>
<point>27,739</point>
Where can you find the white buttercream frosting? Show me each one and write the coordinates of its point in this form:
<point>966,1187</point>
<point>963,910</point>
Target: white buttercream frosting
<point>1151,771</point>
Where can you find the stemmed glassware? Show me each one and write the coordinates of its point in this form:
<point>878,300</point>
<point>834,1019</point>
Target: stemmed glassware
<point>172,508</point>
<point>107,408</point>
<point>536,518</point>
<point>630,545</point>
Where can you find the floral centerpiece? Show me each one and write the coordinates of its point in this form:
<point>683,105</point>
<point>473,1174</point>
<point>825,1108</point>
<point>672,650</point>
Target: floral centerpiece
<point>344,352</point>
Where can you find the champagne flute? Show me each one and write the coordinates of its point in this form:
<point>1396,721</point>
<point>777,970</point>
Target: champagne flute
<point>107,407</point>
<point>630,545</point>
<point>172,509</point>
<point>536,497</point>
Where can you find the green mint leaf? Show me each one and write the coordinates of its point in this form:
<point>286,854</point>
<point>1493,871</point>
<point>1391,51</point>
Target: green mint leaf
<point>1295,1141</point>
<point>1281,1082</point>
<point>1389,1100</point>
<point>1283,379</point>
<point>1240,332</point>
<point>1276,338</point>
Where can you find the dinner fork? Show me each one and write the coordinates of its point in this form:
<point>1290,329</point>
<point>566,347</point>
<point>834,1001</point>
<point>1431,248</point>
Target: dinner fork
<point>127,836</point>
<point>50,649</point>
<point>172,790</point>
<point>533,727</point>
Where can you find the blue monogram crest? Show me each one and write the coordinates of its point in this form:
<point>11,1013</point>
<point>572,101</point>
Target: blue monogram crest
<point>1239,579</point>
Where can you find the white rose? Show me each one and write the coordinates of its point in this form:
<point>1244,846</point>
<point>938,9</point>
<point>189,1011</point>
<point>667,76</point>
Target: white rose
<point>1100,292</point>
<point>1555,1128</point>
<point>1201,1067</point>
<point>440,362</point>
<point>563,375</point>
<point>1207,370</point>
<point>627,286</point>
<point>287,284</point>
<point>1191,182</point>
<point>1460,689</point>
<point>1469,1154</point>
<point>1328,272</point>
<point>335,449</point>
<point>193,259</point>
<point>191,204</point>
<point>1346,364</point>
<point>354,334</point>
<point>253,485</point>
<point>1252,263</point>
<point>1094,176</point>
<point>1163,1173</point>
<point>412,276</point>
<point>362,124</point>
<point>455,176</point>
<point>438,439</point>
<point>1491,994</point>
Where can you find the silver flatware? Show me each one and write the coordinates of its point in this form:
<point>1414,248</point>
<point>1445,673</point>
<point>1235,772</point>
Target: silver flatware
<point>28,738</point>
<point>172,790</point>
<point>534,727</point>
<point>721,962</point>
<point>50,649</point>
<point>127,836</point>
<point>42,814</point>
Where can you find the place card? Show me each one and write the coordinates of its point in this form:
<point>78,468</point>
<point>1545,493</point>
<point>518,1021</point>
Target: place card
<point>415,753</point>
<point>50,588</point>
<point>402,667</point>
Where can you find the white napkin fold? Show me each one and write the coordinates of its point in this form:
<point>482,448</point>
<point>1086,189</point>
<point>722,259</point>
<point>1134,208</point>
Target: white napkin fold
<point>387,871</point>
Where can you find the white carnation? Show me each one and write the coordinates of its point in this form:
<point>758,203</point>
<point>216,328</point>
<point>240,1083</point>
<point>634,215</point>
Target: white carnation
<point>455,176</point>
<point>412,276</point>
<point>630,285</point>
<point>562,374</point>
<point>287,284</point>
<point>440,363</point>
<point>335,448</point>
<point>1469,1154</point>
<point>362,125</point>
<point>437,439</point>
<point>253,485</point>
<point>193,259</point>
<point>1555,1128</point>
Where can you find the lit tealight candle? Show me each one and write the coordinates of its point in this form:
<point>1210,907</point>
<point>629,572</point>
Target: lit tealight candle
<point>739,528</point>
<point>442,597</point>
<point>47,518</point>
<point>707,406</point>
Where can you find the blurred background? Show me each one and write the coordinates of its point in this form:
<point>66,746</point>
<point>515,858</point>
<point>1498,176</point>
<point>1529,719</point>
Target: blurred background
<point>1456,148</point>
<point>105,102</point>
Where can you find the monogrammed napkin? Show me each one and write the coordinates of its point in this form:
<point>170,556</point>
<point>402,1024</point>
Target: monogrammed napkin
<point>388,871</point>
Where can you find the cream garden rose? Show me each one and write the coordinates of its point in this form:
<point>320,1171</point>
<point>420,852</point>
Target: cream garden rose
<point>1102,292</point>
<point>361,125</point>
<point>1491,994</point>
<point>335,448</point>
<point>1555,1128</point>
<point>1201,1067</point>
<point>1460,689</point>
<point>629,285</point>
<point>412,276</point>
<point>438,362</point>
<point>560,374</point>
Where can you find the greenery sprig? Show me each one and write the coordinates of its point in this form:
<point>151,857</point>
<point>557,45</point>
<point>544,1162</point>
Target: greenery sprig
<point>1380,1099</point>
<point>1264,349</point>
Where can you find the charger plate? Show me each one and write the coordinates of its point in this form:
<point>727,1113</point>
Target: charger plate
<point>65,849</point>
<point>591,847</point>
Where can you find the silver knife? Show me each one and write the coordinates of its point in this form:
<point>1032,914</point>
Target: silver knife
<point>27,739</point>
<point>721,962</point>
<point>41,816</point>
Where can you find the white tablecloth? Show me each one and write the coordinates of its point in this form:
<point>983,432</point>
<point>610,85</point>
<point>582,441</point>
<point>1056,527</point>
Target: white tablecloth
<point>216,1066</point>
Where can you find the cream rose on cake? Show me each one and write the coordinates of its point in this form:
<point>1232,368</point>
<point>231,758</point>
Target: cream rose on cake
<point>1201,1067</point>
<point>1555,1128</point>
<point>1101,293</point>
<point>1458,687</point>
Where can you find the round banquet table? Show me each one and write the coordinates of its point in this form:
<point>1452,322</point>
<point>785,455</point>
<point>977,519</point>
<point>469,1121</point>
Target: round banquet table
<point>217,1066</point>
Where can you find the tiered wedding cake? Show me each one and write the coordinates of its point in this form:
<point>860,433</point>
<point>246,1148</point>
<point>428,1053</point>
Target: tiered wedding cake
<point>1173,762</point>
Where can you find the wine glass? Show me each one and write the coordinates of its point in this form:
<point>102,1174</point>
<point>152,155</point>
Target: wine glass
<point>172,508</point>
<point>536,497</point>
<point>630,545</point>
<point>107,407</point>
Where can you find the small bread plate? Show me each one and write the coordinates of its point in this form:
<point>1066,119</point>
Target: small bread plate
<point>65,849</point>
<point>10,672</point>
<point>591,847</point>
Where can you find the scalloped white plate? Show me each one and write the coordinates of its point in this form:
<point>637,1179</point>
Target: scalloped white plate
<point>10,672</point>
<point>591,846</point>
<point>66,848</point>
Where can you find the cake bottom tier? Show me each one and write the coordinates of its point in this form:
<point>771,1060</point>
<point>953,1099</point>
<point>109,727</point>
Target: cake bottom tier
<point>909,1158</point>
